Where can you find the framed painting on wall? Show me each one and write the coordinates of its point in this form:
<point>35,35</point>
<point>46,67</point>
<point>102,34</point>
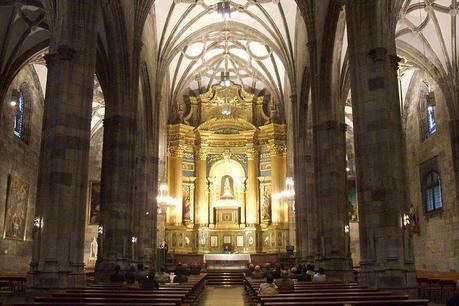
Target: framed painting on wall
<point>240,241</point>
<point>213,241</point>
<point>94,202</point>
<point>16,208</point>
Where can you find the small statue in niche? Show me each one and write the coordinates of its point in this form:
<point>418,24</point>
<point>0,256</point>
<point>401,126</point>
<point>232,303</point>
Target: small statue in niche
<point>93,249</point>
<point>266,206</point>
<point>227,187</point>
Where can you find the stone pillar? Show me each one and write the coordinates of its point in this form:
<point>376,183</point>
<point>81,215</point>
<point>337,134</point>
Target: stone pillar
<point>278,173</point>
<point>174,177</point>
<point>331,196</point>
<point>201,189</point>
<point>57,259</point>
<point>252,188</point>
<point>385,245</point>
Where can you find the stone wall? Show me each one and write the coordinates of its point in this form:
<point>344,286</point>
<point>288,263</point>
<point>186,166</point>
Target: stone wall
<point>436,246</point>
<point>20,158</point>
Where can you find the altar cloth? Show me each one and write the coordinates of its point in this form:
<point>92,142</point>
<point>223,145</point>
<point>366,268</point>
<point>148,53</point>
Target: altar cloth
<point>226,257</point>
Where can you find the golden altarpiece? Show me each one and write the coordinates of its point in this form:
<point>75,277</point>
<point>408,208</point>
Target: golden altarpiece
<point>226,160</point>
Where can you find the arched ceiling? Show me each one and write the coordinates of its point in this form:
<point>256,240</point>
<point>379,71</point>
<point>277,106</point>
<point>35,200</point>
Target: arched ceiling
<point>255,45</point>
<point>430,27</point>
<point>426,38</point>
<point>24,33</point>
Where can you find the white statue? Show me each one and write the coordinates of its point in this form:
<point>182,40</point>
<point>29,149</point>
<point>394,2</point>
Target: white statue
<point>93,249</point>
<point>227,189</point>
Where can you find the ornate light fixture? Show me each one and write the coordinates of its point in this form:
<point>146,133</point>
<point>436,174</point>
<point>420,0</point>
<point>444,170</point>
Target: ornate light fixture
<point>224,10</point>
<point>288,194</point>
<point>163,199</point>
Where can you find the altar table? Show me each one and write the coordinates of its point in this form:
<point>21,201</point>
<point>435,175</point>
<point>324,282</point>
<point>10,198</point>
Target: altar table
<point>226,261</point>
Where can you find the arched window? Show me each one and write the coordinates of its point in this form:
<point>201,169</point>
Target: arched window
<point>19,116</point>
<point>427,120</point>
<point>432,192</point>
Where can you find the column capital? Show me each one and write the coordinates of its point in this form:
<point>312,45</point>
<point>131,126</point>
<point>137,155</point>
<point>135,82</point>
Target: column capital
<point>175,150</point>
<point>63,53</point>
<point>378,54</point>
<point>330,125</point>
<point>201,154</point>
<point>252,154</point>
<point>118,120</point>
<point>277,149</point>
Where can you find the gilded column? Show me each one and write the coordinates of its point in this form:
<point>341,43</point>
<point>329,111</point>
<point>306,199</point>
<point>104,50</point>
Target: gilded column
<point>201,193</point>
<point>252,188</point>
<point>174,171</point>
<point>278,173</point>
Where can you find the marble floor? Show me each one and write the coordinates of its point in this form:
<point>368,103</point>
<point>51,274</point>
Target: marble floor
<point>224,296</point>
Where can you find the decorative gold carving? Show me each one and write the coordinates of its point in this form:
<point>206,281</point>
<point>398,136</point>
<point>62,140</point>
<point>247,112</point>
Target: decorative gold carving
<point>277,149</point>
<point>176,151</point>
<point>201,154</point>
<point>252,154</point>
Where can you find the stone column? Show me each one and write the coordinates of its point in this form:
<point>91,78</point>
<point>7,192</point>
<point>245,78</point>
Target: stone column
<point>174,176</point>
<point>278,172</point>
<point>385,246</point>
<point>57,259</point>
<point>252,188</point>
<point>331,196</point>
<point>201,189</point>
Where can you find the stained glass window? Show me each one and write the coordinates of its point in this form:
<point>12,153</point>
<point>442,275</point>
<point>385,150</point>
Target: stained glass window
<point>19,118</point>
<point>431,122</point>
<point>432,192</point>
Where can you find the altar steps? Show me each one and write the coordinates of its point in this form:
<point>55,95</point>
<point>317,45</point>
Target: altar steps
<point>225,278</point>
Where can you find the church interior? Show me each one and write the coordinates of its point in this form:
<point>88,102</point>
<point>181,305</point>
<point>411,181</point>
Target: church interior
<point>155,142</point>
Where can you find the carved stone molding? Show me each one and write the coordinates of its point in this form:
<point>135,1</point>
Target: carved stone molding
<point>63,53</point>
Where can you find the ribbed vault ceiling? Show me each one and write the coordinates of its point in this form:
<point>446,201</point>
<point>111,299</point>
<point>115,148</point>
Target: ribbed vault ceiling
<point>255,45</point>
<point>426,37</point>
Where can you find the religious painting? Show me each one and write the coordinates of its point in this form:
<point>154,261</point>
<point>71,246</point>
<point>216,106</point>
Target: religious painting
<point>227,187</point>
<point>240,241</point>
<point>16,208</point>
<point>186,200</point>
<point>266,204</point>
<point>213,241</point>
<point>94,202</point>
<point>226,239</point>
<point>279,239</point>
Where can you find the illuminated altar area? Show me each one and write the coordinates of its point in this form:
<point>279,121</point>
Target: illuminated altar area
<point>226,170</point>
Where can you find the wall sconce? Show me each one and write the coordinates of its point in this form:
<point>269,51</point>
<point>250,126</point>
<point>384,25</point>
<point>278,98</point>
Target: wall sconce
<point>38,222</point>
<point>347,228</point>
<point>134,239</point>
<point>100,230</point>
<point>406,220</point>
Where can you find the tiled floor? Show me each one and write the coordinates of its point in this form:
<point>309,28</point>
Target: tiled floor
<point>224,296</point>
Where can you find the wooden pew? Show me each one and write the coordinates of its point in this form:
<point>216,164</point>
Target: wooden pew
<point>413,302</point>
<point>109,295</point>
<point>437,284</point>
<point>323,294</point>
